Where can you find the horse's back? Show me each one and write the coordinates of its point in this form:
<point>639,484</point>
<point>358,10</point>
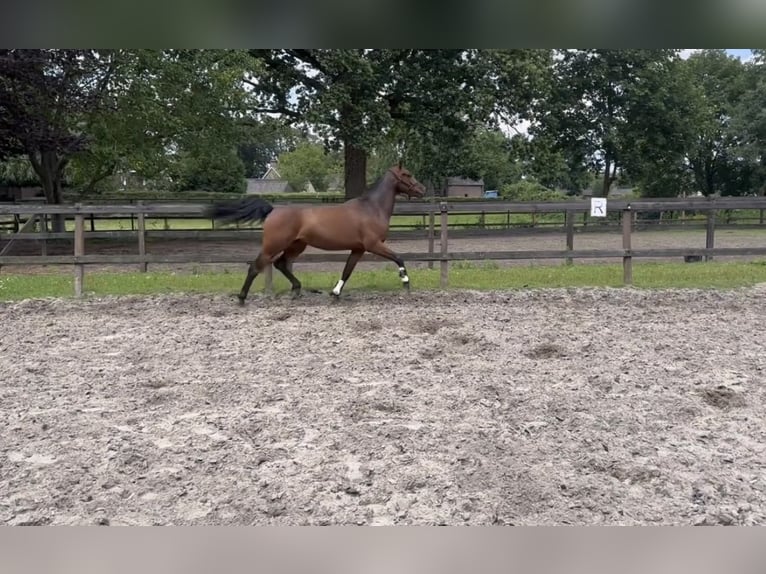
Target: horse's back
<point>330,227</point>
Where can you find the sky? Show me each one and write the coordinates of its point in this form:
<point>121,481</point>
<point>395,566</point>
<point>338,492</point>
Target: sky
<point>742,54</point>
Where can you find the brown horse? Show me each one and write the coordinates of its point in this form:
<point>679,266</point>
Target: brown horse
<point>359,225</point>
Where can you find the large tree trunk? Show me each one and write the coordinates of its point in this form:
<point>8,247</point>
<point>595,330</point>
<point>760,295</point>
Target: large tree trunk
<point>607,183</point>
<point>355,168</point>
<point>610,174</point>
<point>50,168</point>
<point>704,174</point>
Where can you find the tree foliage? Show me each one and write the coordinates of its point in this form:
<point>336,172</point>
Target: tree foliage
<point>206,119</point>
<point>749,123</point>
<point>47,101</point>
<point>712,158</point>
<point>688,134</point>
<point>210,169</point>
<point>428,100</point>
<point>172,106</point>
<point>308,163</point>
<point>262,142</point>
<point>100,111</point>
<point>589,115</point>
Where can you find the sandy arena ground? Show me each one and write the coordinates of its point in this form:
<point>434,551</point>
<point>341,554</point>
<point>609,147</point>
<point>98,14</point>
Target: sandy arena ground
<point>530,407</point>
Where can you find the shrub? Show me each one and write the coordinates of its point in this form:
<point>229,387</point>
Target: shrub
<point>526,190</point>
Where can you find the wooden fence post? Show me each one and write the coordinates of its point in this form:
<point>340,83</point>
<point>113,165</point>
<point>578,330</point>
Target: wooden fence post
<point>268,278</point>
<point>710,233</point>
<point>431,236</point>
<point>444,276</point>
<point>627,259</point>
<point>142,239</point>
<point>569,220</point>
<point>79,250</point>
<point>43,218</point>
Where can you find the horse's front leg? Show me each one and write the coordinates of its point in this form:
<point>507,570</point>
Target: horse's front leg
<point>351,262</point>
<point>383,251</point>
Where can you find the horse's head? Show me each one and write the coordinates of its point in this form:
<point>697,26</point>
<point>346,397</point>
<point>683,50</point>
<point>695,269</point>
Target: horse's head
<point>406,182</point>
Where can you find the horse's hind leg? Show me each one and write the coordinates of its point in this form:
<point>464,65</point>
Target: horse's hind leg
<point>252,272</point>
<point>282,263</point>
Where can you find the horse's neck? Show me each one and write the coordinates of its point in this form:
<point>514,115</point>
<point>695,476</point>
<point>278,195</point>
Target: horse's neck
<point>383,195</point>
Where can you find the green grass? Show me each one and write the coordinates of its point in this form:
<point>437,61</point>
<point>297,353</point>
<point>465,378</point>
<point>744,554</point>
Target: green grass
<point>462,276</point>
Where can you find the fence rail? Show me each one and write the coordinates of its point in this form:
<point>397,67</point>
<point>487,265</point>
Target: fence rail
<point>413,207</point>
<point>435,213</point>
<point>471,218</point>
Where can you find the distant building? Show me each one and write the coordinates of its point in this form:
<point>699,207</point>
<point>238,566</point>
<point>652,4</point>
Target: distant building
<point>256,186</point>
<point>271,173</point>
<point>270,182</point>
<point>461,187</point>
<point>13,193</point>
<point>336,184</point>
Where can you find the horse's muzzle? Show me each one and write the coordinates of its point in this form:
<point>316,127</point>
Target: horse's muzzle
<point>417,190</point>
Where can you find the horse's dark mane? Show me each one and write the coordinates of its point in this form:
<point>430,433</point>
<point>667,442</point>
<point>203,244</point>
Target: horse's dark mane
<point>373,188</point>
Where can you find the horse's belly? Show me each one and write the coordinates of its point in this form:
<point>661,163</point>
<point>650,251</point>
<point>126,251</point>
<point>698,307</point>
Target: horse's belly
<point>334,242</point>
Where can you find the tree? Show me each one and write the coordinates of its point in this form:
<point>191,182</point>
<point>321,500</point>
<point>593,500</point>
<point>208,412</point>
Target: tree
<point>47,98</point>
<point>430,99</point>
<point>17,172</point>
<point>663,113</point>
<point>489,156</point>
<point>210,169</point>
<point>586,113</point>
<point>749,123</point>
<point>486,153</point>
<point>308,162</point>
<point>684,131</point>
<point>168,106</point>
<point>99,111</point>
<point>263,141</point>
<point>542,161</point>
<point>721,83</point>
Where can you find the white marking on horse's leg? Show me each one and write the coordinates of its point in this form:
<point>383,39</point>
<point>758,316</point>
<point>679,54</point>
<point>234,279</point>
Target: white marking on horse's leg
<point>403,275</point>
<point>338,288</point>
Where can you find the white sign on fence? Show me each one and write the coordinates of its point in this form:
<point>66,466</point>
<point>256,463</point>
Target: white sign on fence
<point>598,206</point>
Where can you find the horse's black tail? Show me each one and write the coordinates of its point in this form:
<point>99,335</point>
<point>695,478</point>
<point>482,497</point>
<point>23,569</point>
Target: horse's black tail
<point>248,209</point>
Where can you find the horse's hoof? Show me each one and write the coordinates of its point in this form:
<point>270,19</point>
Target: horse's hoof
<point>241,301</point>
<point>295,293</point>
<point>334,296</point>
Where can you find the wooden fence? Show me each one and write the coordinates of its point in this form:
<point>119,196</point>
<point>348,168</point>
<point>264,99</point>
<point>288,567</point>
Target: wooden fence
<point>481,219</point>
<point>436,215</point>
